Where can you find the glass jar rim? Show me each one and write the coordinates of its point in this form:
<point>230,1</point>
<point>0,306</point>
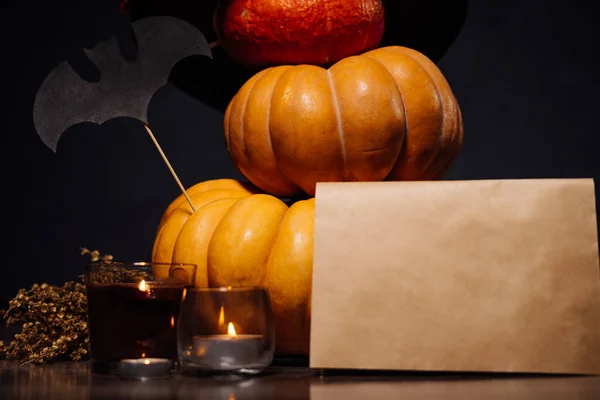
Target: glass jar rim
<point>225,289</point>
<point>136,264</point>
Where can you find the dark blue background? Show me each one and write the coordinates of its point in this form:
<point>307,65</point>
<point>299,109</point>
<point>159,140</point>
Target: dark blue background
<point>524,73</point>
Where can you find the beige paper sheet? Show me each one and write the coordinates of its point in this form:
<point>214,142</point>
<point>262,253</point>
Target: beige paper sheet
<point>490,275</point>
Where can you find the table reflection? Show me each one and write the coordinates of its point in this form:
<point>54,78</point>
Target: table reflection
<point>31,381</point>
<point>74,381</point>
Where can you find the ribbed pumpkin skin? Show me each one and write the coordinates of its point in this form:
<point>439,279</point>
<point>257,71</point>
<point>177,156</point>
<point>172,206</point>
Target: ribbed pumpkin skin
<point>386,114</point>
<point>318,32</point>
<point>240,237</point>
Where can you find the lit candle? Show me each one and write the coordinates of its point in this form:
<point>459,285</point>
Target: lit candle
<point>144,287</point>
<point>142,313</point>
<point>227,351</point>
<point>145,368</point>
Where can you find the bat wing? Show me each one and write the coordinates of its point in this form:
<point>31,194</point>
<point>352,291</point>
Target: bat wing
<point>125,88</point>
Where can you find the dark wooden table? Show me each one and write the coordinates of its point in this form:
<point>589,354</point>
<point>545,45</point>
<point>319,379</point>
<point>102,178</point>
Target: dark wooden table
<point>74,381</point>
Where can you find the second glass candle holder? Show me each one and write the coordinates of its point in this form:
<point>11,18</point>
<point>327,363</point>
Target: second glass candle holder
<point>225,330</point>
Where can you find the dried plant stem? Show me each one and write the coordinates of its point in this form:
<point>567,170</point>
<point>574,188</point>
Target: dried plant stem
<point>170,167</point>
<point>53,319</point>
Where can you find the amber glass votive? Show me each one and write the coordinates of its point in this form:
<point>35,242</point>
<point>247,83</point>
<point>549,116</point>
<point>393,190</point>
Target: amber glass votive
<point>225,331</point>
<point>133,310</point>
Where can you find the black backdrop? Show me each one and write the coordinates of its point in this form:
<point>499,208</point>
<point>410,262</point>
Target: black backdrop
<point>523,71</point>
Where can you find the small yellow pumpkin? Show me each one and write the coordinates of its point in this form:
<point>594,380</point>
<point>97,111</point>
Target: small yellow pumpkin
<point>240,237</point>
<point>386,114</point>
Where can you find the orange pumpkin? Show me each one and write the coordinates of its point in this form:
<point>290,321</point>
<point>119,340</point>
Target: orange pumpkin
<point>240,237</point>
<point>386,114</point>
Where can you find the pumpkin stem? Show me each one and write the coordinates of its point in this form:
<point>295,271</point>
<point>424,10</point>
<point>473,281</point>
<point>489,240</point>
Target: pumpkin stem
<point>289,201</point>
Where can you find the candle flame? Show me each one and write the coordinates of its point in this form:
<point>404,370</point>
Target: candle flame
<point>231,330</point>
<point>143,355</point>
<point>143,286</point>
<point>172,321</point>
<point>222,317</point>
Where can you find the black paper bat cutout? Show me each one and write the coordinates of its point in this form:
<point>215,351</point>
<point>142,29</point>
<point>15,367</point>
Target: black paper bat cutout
<point>125,88</point>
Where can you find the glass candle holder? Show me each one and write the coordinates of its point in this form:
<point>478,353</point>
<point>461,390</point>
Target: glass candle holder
<point>133,310</point>
<point>225,331</point>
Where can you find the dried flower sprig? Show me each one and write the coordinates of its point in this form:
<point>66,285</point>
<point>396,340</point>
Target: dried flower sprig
<point>54,324</point>
<point>53,319</point>
<point>95,255</point>
<point>112,272</point>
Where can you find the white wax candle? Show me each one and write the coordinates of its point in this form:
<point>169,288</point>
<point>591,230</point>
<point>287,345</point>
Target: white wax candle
<point>145,368</point>
<point>224,351</point>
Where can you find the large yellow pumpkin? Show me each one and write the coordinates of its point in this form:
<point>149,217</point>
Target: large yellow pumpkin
<point>240,237</point>
<point>386,114</point>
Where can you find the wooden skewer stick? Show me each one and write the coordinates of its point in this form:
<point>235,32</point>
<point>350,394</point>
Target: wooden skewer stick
<point>170,167</point>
